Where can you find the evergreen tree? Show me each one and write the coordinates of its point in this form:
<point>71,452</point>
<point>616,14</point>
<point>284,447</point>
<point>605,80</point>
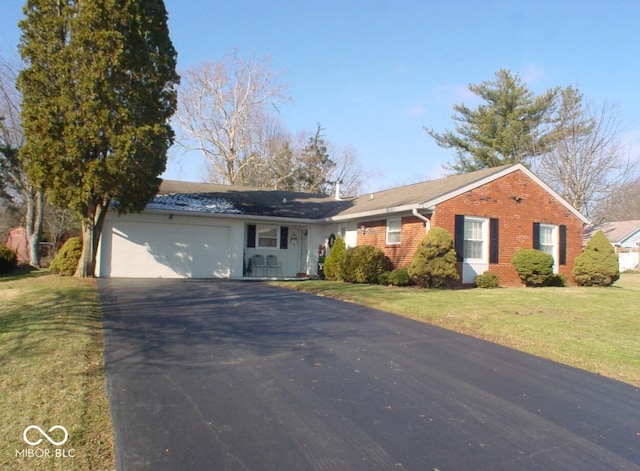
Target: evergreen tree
<point>315,165</point>
<point>598,264</point>
<point>98,91</point>
<point>334,262</point>
<point>509,127</point>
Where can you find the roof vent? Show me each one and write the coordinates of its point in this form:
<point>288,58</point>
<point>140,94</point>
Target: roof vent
<point>284,200</point>
<point>371,196</point>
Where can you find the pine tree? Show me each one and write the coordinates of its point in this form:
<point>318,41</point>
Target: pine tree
<point>315,165</point>
<point>98,91</point>
<point>508,128</point>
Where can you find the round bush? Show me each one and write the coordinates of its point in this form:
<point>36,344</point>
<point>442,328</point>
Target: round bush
<point>333,262</point>
<point>66,261</point>
<point>434,262</point>
<point>598,264</point>
<point>399,277</point>
<point>8,259</point>
<point>487,280</point>
<point>364,264</point>
<point>535,268</point>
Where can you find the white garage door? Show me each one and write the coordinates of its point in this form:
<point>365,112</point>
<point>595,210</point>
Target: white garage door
<point>151,250</point>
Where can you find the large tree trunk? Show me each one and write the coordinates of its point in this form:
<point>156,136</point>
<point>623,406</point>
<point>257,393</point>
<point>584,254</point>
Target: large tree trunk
<point>91,232</point>
<point>35,208</point>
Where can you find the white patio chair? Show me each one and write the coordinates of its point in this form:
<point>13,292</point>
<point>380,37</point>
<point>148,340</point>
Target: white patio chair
<point>257,264</point>
<point>273,264</point>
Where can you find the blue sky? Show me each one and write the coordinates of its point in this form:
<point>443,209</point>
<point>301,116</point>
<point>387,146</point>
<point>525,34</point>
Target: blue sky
<point>374,73</point>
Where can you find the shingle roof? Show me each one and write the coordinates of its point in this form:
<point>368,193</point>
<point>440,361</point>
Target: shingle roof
<point>417,193</point>
<point>229,199</point>
<point>244,200</point>
<point>616,231</point>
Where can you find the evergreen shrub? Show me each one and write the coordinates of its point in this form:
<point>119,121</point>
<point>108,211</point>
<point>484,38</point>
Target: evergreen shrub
<point>333,262</point>
<point>534,267</point>
<point>434,262</point>
<point>487,280</point>
<point>8,259</point>
<point>598,264</point>
<point>397,277</point>
<point>364,264</point>
<point>66,262</point>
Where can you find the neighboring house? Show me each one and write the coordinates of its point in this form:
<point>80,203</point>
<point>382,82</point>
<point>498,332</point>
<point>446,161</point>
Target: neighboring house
<point>214,231</point>
<point>625,238</point>
<point>17,241</point>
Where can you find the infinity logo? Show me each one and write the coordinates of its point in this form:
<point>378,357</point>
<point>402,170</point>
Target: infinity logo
<point>44,434</point>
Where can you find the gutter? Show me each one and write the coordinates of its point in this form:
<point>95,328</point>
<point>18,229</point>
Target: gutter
<point>427,221</point>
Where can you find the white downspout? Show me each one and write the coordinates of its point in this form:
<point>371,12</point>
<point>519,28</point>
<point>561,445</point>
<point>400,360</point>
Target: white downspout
<point>427,221</point>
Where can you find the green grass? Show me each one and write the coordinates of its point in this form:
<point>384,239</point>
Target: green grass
<point>596,329</point>
<point>51,372</point>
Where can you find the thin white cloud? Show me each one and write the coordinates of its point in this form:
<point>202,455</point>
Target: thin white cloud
<point>416,110</point>
<point>532,73</point>
<point>453,93</point>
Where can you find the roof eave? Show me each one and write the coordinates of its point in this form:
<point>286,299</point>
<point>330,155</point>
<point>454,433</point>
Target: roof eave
<point>242,216</point>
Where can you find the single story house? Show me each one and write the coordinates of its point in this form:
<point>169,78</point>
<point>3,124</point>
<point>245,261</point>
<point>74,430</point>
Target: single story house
<point>204,230</point>
<point>625,238</point>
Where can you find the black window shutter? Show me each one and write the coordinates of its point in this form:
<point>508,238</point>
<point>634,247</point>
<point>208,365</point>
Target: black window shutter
<point>251,235</point>
<point>536,235</point>
<point>563,245</point>
<point>284,237</point>
<point>494,239</point>
<point>458,237</point>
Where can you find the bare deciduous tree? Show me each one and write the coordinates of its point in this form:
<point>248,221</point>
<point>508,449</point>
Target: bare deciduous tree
<point>13,179</point>
<point>620,204</point>
<point>587,160</point>
<point>223,110</point>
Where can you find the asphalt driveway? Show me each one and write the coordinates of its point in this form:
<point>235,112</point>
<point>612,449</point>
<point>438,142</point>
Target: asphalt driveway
<point>207,375</point>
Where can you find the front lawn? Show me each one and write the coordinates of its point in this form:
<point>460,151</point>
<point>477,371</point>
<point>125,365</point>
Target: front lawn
<point>596,329</point>
<point>51,373</point>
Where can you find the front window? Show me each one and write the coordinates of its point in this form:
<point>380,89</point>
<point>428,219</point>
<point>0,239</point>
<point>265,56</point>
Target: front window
<point>394,227</point>
<point>474,238</point>
<point>547,239</point>
<point>267,237</point>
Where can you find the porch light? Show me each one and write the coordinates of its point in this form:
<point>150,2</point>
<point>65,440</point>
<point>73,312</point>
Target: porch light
<point>294,239</point>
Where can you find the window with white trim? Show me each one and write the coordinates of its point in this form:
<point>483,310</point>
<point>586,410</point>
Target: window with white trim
<point>548,239</point>
<point>267,237</point>
<point>475,238</point>
<point>394,231</point>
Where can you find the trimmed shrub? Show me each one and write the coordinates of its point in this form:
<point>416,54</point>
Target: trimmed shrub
<point>534,267</point>
<point>8,259</point>
<point>364,264</point>
<point>66,261</point>
<point>434,262</point>
<point>597,265</point>
<point>383,278</point>
<point>487,280</point>
<point>558,281</point>
<point>333,263</point>
<point>397,277</point>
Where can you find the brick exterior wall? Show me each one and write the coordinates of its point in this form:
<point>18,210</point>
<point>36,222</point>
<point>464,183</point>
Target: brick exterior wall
<point>375,233</point>
<point>496,199</point>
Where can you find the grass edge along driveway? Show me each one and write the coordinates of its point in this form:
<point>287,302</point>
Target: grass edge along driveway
<point>595,329</point>
<point>52,373</point>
